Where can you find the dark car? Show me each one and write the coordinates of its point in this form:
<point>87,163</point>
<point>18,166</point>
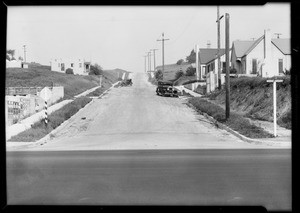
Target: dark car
<point>166,88</point>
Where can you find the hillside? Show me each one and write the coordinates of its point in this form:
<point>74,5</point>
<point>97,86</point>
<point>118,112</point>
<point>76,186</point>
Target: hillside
<point>171,69</point>
<point>115,73</point>
<point>41,77</point>
<point>253,98</point>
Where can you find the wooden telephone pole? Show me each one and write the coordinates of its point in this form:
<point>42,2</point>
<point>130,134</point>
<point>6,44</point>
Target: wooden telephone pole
<point>163,50</point>
<point>227,66</point>
<point>154,57</point>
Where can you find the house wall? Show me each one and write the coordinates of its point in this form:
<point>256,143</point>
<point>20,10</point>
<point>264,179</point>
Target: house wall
<point>13,63</point>
<point>77,68</point>
<point>256,53</point>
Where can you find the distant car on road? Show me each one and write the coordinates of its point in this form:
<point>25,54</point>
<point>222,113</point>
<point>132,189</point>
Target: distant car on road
<point>166,88</point>
<point>127,82</point>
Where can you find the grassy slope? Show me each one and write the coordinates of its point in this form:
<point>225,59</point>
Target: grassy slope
<point>253,97</point>
<point>40,77</point>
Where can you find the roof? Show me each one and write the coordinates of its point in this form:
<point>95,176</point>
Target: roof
<point>208,54</point>
<point>243,48</point>
<point>283,44</point>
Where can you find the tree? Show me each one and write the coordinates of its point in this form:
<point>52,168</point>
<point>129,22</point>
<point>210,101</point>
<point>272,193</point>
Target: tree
<point>10,54</point>
<point>158,75</point>
<point>190,71</point>
<point>96,69</point>
<point>179,74</point>
<point>179,62</point>
<point>69,71</point>
<point>192,57</point>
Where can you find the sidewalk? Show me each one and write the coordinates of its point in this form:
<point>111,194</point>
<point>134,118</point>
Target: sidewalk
<point>284,136</point>
<point>181,88</point>
<point>26,123</point>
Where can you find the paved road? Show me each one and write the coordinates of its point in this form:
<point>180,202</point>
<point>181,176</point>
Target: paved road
<point>162,177</point>
<point>136,118</point>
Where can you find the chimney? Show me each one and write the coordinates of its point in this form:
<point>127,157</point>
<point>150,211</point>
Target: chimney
<point>267,54</point>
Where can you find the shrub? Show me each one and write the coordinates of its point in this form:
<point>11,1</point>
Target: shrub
<point>179,62</point>
<point>232,71</point>
<point>179,74</point>
<point>95,70</point>
<point>158,75</point>
<point>190,71</point>
<point>69,71</point>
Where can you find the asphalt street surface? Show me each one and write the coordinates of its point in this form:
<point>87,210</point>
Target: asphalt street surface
<point>132,147</point>
<point>148,177</point>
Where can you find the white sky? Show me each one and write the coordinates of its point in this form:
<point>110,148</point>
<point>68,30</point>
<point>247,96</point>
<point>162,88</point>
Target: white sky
<point>119,36</point>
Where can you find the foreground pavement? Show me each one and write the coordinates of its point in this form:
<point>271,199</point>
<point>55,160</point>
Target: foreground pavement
<point>151,177</point>
<point>136,118</point>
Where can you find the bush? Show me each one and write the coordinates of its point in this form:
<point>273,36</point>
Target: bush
<point>158,75</point>
<point>179,62</point>
<point>190,71</point>
<point>232,71</point>
<point>95,70</point>
<point>179,74</point>
<point>69,71</point>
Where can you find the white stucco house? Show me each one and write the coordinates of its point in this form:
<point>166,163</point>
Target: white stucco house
<point>79,66</point>
<point>264,57</point>
<point>13,63</point>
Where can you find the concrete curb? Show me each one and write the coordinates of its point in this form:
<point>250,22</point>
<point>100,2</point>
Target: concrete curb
<point>235,133</point>
<point>62,125</point>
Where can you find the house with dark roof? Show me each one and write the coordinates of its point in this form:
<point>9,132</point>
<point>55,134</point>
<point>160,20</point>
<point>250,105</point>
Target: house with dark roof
<point>265,56</point>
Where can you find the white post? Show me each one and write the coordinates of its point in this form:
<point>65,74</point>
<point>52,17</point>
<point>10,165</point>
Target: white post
<point>274,112</point>
<point>274,105</point>
<point>197,61</point>
<point>100,80</point>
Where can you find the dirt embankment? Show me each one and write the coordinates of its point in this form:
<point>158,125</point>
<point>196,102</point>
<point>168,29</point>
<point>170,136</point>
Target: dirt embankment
<point>253,98</point>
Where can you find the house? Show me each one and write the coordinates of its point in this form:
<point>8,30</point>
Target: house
<point>25,65</point>
<point>79,66</point>
<point>265,56</point>
<point>13,63</point>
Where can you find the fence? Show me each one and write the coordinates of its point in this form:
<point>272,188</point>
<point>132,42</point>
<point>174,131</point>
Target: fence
<point>20,105</point>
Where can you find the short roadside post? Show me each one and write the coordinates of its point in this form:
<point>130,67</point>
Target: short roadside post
<point>45,94</point>
<point>100,81</point>
<point>274,103</point>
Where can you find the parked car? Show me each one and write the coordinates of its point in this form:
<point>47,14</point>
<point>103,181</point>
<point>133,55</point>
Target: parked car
<point>127,82</point>
<point>166,88</point>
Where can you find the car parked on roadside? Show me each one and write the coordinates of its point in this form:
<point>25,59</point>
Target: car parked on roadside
<point>166,88</point>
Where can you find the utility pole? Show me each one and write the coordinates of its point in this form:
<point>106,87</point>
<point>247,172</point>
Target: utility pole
<point>145,56</point>
<point>163,51</point>
<point>227,66</point>
<point>149,60</point>
<point>154,57</point>
<point>219,62</point>
<point>24,46</point>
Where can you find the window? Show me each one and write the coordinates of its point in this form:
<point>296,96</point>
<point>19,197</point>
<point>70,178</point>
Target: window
<point>280,65</point>
<point>72,65</point>
<point>62,67</point>
<point>254,66</point>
